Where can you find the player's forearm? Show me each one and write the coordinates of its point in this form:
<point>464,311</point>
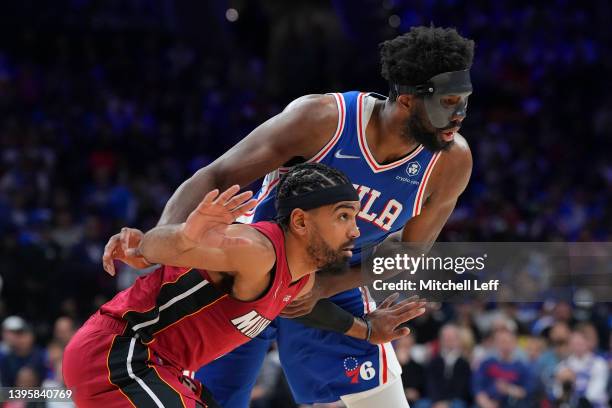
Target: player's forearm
<point>333,284</point>
<point>165,245</point>
<point>326,315</point>
<point>354,277</point>
<point>359,275</point>
<point>187,196</point>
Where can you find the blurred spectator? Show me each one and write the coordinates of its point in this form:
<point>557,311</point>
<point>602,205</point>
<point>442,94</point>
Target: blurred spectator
<point>546,365</point>
<point>27,377</point>
<point>589,332</point>
<point>63,330</point>
<point>502,380</point>
<point>55,379</point>
<point>534,347</point>
<point>20,351</point>
<point>271,389</point>
<point>582,376</point>
<point>449,374</point>
<point>413,373</point>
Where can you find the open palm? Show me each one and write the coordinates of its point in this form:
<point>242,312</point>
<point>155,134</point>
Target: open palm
<point>208,224</point>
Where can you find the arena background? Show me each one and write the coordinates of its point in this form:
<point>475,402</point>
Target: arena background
<point>107,106</point>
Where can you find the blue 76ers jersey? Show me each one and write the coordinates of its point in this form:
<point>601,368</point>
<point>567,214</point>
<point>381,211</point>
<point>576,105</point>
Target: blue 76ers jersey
<point>390,194</point>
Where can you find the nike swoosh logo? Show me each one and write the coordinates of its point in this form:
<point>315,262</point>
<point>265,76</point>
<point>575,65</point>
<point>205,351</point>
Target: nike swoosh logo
<point>339,155</point>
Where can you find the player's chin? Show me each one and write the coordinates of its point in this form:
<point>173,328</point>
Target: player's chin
<point>441,144</point>
<point>337,266</point>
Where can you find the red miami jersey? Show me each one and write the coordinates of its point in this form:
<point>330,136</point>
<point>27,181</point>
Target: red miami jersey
<point>188,322</point>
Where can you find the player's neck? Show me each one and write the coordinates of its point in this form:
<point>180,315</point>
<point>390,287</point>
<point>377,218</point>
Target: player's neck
<point>300,264</point>
<point>384,134</point>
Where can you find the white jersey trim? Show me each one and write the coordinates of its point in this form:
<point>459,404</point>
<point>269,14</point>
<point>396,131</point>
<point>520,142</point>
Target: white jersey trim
<point>420,197</point>
<point>363,143</point>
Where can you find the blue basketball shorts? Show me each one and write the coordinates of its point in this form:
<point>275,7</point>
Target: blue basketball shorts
<point>320,365</point>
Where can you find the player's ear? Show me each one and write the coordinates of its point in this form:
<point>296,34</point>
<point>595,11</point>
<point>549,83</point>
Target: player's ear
<point>297,221</point>
<point>405,101</point>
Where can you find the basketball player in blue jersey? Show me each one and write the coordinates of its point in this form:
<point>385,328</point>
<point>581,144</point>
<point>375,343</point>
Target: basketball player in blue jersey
<point>409,166</point>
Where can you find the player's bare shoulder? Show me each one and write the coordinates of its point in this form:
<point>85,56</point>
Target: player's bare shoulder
<point>321,105</point>
<point>452,171</point>
<point>257,257</point>
<point>316,116</point>
<point>459,155</point>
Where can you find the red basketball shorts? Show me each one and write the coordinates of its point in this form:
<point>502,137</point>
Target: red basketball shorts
<point>104,368</point>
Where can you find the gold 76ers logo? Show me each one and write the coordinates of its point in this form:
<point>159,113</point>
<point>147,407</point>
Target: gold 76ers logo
<point>353,370</point>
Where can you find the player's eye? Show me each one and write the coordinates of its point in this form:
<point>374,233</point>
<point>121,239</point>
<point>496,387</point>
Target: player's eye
<point>344,216</point>
<point>450,101</point>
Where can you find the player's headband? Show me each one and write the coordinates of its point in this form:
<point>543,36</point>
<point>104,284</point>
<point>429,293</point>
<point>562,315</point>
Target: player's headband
<point>317,198</point>
<point>444,84</point>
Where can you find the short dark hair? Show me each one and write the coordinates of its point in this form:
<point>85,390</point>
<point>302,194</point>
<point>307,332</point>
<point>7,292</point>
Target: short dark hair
<point>423,52</point>
<point>304,178</point>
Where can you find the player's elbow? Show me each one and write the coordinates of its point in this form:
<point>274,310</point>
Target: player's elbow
<point>206,176</point>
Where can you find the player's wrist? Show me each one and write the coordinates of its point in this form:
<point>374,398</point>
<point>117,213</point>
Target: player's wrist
<point>368,323</point>
<point>359,329</point>
<point>183,241</point>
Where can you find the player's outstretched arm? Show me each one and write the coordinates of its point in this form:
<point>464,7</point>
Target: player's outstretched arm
<point>301,130</point>
<point>382,325</point>
<point>208,239</point>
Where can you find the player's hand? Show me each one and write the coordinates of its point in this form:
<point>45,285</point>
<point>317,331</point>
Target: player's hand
<point>124,247</point>
<point>208,224</point>
<point>305,303</point>
<point>387,318</point>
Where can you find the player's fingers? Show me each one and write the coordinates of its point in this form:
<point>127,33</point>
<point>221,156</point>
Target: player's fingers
<point>408,315</point>
<point>388,301</point>
<point>208,198</point>
<point>110,247</point>
<point>407,304</point>
<point>238,200</point>
<point>227,194</point>
<point>135,237</point>
<point>400,332</point>
<point>124,238</point>
<point>410,310</point>
<point>109,253</point>
<point>244,208</point>
<point>109,266</point>
<point>132,253</point>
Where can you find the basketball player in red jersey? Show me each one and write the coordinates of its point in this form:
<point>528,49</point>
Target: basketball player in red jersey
<point>226,283</point>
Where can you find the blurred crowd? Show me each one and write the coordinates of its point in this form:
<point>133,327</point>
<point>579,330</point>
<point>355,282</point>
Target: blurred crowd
<point>107,106</point>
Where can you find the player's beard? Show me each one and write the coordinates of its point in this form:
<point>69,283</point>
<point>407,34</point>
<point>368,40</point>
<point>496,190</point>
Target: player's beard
<point>325,257</point>
<point>416,128</point>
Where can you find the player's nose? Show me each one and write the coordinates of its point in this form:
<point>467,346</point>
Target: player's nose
<point>458,117</point>
<point>354,231</point>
